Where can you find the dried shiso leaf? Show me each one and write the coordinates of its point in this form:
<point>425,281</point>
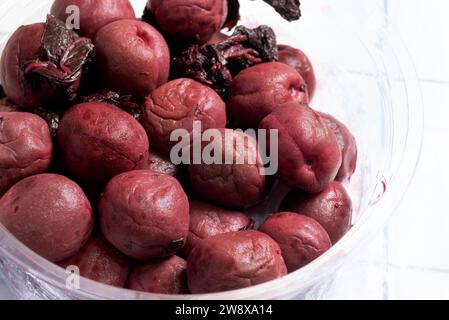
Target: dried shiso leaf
<point>67,57</point>
<point>110,97</point>
<point>288,9</point>
<point>215,65</point>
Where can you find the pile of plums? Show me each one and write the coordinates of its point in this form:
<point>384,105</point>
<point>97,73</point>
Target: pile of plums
<point>86,118</point>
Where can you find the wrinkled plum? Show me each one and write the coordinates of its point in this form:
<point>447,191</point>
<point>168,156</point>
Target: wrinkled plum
<point>259,90</point>
<point>48,213</point>
<point>348,147</point>
<point>233,261</point>
<point>207,220</point>
<point>24,46</point>
<point>145,214</point>
<point>299,61</point>
<point>302,239</point>
<point>93,14</point>
<point>99,141</point>
<point>132,57</point>
<point>100,261</point>
<point>188,21</point>
<point>164,276</point>
<point>332,208</point>
<point>237,185</point>
<point>26,147</point>
<point>309,153</point>
<point>177,105</point>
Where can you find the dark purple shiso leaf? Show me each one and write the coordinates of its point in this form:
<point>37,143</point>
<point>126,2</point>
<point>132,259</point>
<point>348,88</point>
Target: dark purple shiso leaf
<point>288,9</point>
<point>68,56</point>
<point>110,97</point>
<point>215,65</point>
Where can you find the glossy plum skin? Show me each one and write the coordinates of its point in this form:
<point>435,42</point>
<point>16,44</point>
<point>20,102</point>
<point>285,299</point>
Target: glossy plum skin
<point>145,214</point>
<point>132,58</point>
<point>348,147</point>
<point>94,14</point>
<point>100,261</point>
<point>189,21</point>
<point>26,147</point>
<point>302,239</point>
<point>48,213</point>
<point>24,46</point>
<point>100,141</point>
<point>332,208</point>
<point>309,153</point>
<point>165,276</point>
<point>299,61</point>
<point>231,185</point>
<point>233,261</point>
<point>257,91</point>
<point>176,105</point>
<point>207,220</point>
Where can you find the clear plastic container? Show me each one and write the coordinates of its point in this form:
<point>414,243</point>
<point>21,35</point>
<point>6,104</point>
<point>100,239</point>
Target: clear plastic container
<point>366,79</point>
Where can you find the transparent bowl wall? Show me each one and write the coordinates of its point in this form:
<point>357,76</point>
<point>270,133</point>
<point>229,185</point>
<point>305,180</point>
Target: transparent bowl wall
<point>366,79</point>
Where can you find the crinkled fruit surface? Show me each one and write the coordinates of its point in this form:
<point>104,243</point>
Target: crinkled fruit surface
<point>189,21</point>
<point>48,213</point>
<point>299,61</point>
<point>309,155</point>
<point>93,14</point>
<point>100,141</point>
<point>145,214</point>
<point>163,276</point>
<point>132,57</point>
<point>26,147</point>
<point>177,105</point>
<point>207,220</point>
<point>259,90</point>
<point>302,239</point>
<point>24,46</point>
<point>100,261</point>
<point>348,147</point>
<point>332,208</point>
<point>42,64</point>
<point>237,185</point>
<point>234,260</point>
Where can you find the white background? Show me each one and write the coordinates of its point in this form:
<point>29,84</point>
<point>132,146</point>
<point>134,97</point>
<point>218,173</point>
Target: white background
<point>410,259</point>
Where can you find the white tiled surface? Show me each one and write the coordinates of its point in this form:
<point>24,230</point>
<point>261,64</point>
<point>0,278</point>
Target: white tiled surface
<point>416,261</point>
<point>410,259</point>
